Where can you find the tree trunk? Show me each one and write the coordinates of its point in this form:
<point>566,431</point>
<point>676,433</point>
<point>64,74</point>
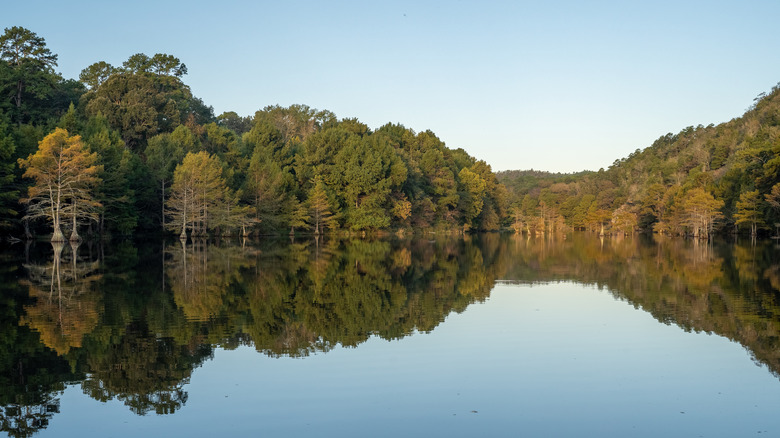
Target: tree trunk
<point>183,235</point>
<point>74,235</point>
<point>19,102</point>
<point>162,202</point>
<point>57,236</point>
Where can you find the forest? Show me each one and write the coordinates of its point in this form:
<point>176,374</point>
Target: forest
<point>129,149</point>
<point>698,182</point>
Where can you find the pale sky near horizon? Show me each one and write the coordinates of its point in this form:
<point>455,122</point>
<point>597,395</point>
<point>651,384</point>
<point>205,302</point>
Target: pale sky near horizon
<point>560,86</point>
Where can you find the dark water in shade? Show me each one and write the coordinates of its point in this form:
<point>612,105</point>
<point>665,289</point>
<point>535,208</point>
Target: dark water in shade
<point>490,335</point>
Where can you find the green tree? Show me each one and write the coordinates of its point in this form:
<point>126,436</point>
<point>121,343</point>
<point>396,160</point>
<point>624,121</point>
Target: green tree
<point>30,60</point>
<point>137,63</point>
<point>167,65</point>
<point>267,190</point>
<point>367,171</point>
<point>471,199</point>
<point>438,179</point>
<point>70,121</point>
<point>96,74</point>
<point>124,177</point>
<point>163,154</point>
<point>234,122</point>
<point>8,190</point>
<point>140,103</point>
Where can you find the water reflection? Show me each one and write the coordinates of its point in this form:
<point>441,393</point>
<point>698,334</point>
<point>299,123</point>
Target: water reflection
<point>295,299</point>
<point>131,322</point>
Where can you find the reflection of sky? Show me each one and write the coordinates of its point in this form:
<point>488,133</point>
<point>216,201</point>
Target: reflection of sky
<point>551,360</point>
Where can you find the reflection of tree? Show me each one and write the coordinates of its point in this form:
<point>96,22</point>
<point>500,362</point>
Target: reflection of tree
<point>31,375</point>
<point>295,299</point>
<point>144,371</point>
<point>702,286</point>
<point>65,307</point>
<point>140,342</point>
<point>28,417</point>
<point>201,277</point>
<point>132,345</point>
<point>358,296</point>
<point>347,291</point>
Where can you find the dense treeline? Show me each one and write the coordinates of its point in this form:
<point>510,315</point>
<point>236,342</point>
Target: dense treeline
<point>130,148</point>
<point>699,181</point>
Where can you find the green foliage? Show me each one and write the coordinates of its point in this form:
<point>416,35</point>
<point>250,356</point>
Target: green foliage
<point>267,190</point>
<point>749,210</point>
<point>9,193</point>
<point>27,77</point>
<point>96,74</point>
<point>366,172</point>
<point>727,161</point>
<point>138,105</point>
<point>231,120</point>
<point>282,168</point>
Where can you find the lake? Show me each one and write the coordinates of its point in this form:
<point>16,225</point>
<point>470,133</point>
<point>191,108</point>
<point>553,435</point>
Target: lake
<point>483,335</point>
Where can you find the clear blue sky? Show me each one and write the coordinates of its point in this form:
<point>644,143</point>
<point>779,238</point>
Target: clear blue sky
<point>558,86</point>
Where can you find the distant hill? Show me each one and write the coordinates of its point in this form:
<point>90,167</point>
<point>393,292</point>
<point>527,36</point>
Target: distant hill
<point>701,180</point>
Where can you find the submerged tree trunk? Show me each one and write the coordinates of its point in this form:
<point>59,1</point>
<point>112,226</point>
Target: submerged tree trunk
<point>74,235</point>
<point>57,235</point>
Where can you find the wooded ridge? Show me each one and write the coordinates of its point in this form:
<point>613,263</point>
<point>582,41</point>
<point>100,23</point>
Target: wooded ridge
<point>697,182</point>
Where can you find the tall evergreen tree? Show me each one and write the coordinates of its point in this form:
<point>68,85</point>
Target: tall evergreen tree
<point>31,66</point>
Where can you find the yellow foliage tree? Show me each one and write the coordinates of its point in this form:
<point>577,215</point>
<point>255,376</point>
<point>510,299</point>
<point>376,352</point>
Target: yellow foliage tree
<point>65,176</point>
<point>700,212</point>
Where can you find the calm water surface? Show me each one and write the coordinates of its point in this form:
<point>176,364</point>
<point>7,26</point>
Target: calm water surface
<point>487,336</point>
